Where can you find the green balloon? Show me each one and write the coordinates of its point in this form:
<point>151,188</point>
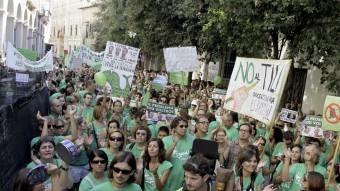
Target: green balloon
<point>217,80</point>
<point>100,78</point>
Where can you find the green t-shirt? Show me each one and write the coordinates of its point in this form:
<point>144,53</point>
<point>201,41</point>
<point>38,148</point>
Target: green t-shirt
<point>153,129</point>
<point>89,182</point>
<point>107,186</point>
<point>296,173</point>
<point>149,179</point>
<point>247,181</point>
<point>87,114</point>
<point>212,125</point>
<point>278,149</point>
<point>109,154</point>
<point>261,131</point>
<point>232,133</point>
<point>178,158</point>
<point>136,151</point>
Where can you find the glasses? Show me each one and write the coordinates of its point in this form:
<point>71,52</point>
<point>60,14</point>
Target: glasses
<point>116,139</point>
<point>55,126</point>
<point>183,126</point>
<point>204,122</point>
<point>99,161</point>
<point>118,170</point>
<point>138,133</point>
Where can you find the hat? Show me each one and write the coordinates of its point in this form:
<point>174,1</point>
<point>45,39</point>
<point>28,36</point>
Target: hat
<point>54,96</point>
<point>194,102</point>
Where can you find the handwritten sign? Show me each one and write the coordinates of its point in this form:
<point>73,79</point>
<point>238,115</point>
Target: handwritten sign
<point>219,93</point>
<point>119,64</point>
<point>311,127</point>
<point>331,114</point>
<point>181,59</point>
<point>256,87</point>
<point>289,116</point>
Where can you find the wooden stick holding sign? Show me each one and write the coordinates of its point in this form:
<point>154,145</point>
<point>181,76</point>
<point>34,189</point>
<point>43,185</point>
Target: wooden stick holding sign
<point>334,158</point>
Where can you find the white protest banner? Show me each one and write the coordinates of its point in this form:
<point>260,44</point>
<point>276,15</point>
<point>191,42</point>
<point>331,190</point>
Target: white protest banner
<point>289,116</point>
<point>16,61</point>
<point>84,54</point>
<point>181,59</point>
<point>119,65</point>
<point>213,70</point>
<point>160,112</point>
<point>219,93</point>
<point>256,86</point>
<point>20,77</point>
<point>311,127</point>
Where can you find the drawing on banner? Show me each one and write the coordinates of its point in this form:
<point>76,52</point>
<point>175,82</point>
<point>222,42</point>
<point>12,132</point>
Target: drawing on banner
<point>119,64</point>
<point>160,112</point>
<point>17,61</point>
<point>181,59</point>
<point>331,113</point>
<point>256,86</point>
<point>311,127</point>
<point>289,116</point>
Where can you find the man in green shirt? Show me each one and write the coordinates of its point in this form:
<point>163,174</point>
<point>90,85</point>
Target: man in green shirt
<point>202,127</point>
<point>296,172</point>
<point>86,110</point>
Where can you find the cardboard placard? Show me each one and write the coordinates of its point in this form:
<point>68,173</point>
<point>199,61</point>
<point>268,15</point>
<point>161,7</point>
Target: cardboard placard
<point>311,127</point>
<point>288,115</point>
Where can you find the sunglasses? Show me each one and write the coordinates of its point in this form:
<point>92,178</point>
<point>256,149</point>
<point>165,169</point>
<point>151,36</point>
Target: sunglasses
<point>55,126</point>
<point>99,161</point>
<point>116,139</point>
<point>118,170</point>
<point>183,126</point>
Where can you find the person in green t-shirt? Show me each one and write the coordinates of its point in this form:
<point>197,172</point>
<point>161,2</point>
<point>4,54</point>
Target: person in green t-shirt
<point>141,136</point>
<point>121,173</point>
<point>196,174</point>
<point>246,176</point>
<point>116,140</point>
<point>98,163</point>
<point>296,172</point>
<point>155,169</point>
<point>227,123</point>
<point>86,111</point>
<point>178,146</point>
<point>202,127</point>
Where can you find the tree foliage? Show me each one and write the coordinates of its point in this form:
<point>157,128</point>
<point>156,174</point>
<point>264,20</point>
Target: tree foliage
<point>254,28</point>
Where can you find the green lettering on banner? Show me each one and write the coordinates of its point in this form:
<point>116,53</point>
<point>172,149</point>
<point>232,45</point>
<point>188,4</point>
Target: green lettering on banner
<point>245,74</point>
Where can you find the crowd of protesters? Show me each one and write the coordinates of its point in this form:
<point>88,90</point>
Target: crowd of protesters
<point>120,149</point>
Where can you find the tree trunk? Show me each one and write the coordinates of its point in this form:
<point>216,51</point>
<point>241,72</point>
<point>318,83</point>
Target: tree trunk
<point>275,41</point>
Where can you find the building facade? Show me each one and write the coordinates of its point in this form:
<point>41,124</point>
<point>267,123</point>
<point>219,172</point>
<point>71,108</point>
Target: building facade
<point>72,25</point>
<point>25,24</point>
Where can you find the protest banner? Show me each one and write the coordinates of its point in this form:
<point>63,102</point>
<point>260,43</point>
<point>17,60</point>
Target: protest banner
<point>119,64</point>
<point>219,93</point>
<point>160,112</point>
<point>289,116</point>
<point>331,114</point>
<point>181,59</point>
<point>84,54</point>
<point>17,61</point>
<point>311,127</point>
<point>180,78</point>
<point>256,87</point>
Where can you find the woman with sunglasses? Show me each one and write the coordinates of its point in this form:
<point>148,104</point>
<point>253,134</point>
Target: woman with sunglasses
<point>178,146</point>
<point>116,142</point>
<point>155,168</point>
<point>98,164</point>
<point>121,173</point>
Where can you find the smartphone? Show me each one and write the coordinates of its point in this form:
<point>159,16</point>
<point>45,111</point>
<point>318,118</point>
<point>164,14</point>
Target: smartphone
<point>37,175</point>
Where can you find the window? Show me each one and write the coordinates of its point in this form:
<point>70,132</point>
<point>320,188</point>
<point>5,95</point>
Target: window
<point>76,30</point>
<point>229,64</point>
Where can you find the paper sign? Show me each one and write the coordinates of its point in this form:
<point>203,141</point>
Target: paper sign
<point>289,116</point>
<point>219,93</point>
<point>159,82</point>
<point>311,127</point>
<point>256,87</point>
<point>85,55</point>
<point>19,77</point>
<point>119,64</point>
<point>160,112</point>
<point>180,78</point>
<point>331,114</point>
<point>213,69</point>
<point>181,59</point>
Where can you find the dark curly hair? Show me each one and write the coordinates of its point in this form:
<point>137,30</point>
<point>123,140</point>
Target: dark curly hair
<point>161,152</point>
<point>124,156</point>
